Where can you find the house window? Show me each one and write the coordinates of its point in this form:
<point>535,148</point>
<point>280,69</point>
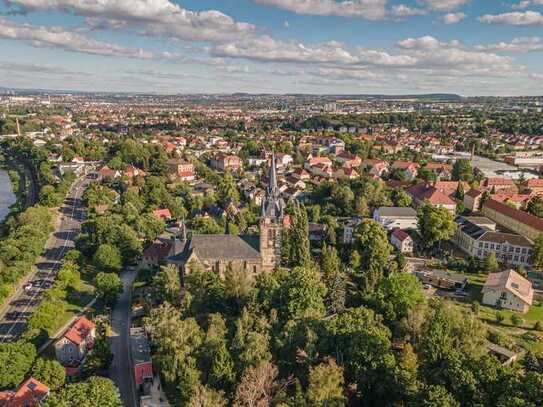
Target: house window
<point>517,250</point>
<point>486,245</point>
<point>523,250</point>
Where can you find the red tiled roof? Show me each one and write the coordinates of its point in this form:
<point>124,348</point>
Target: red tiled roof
<point>518,215</point>
<point>400,234</point>
<point>534,182</point>
<point>80,330</point>
<point>30,393</point>
<point>435,197</point>
<point>162,213</point>
<point>499,181</point>
<point>474,193</point>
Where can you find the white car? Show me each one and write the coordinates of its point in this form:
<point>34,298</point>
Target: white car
<point>28,287</point>
<point>427,286</point>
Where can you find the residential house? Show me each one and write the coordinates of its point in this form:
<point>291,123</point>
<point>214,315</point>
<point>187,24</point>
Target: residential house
<point>518,221</point>
<point>500,184</point>
<point>346,173</point>
<point>347,159</point>
<point>472,199</point>
<point>477,236</point>
<point>181,169</point>
<point>156,253</point>
<point>314,161</point>
<point>76,342</point>
<point>223,162</point>
<point>301,174</point>
<point>105,172</point>
<point>410,169</point>
<point>423,193</point>
<point>534,185</point>
<point>519,201</point>
<point>401,241</point>
<point>29,394</point>
<point>283,160</point>
<point>380,169</point>
<point>508,290</point>
<point>132,172</point>
<point>396,217</point>
<point>441,170</point>
<point>162,214</point>
<point>349,226</point>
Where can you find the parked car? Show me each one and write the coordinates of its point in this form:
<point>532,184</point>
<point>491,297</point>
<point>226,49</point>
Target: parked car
<point>427,286</point>
<point>28,287</point>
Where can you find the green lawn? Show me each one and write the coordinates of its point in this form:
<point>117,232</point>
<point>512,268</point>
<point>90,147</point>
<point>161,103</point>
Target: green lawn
<point>523,334</point>
<point>76,301</point>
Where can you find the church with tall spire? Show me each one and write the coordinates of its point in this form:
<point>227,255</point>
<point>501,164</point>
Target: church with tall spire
<point>252,254</point>
<point>271,221</point>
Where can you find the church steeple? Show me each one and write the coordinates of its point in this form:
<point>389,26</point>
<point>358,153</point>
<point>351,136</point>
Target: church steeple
<point>271,221</point>
<point>272,205</point>
<point>272,185</point>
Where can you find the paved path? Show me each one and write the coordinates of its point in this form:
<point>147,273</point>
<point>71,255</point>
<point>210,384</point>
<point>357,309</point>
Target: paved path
<point>121,367</point>
<point>14,315</point>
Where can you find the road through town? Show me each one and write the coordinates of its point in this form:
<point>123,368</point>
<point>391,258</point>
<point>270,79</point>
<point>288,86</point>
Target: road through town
<point>14,315</point>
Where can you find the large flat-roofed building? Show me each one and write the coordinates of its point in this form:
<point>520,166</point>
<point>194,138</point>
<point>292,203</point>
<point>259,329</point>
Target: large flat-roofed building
<point>518,221</point>
<point>477,236</point>
<point>396,217</point>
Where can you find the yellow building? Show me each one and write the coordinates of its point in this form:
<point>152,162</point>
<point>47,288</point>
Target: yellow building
<point>518,221</point>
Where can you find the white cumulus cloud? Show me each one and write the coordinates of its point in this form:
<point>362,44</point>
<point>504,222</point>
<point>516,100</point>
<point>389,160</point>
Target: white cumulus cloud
<point>55,37</point>
<point>157,17</point>
<point>514,18</point>
<point>368,9</point>
<point>453,18</point>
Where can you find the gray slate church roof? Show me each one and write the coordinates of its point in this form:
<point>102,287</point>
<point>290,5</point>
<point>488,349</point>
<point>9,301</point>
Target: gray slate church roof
<point>218,247</point>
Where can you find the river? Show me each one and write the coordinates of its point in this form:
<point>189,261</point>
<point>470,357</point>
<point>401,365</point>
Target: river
<point>7,197</point>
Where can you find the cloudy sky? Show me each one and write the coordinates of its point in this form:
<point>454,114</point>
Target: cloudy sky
<point>470,47</point>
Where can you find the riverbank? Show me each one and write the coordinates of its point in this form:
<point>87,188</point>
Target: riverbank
<point>8,196</point>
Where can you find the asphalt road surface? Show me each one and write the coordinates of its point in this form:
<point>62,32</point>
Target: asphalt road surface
<point>121,366</point>
<point>14,316</point>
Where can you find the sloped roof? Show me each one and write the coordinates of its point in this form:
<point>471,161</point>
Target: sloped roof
<point>518,215</point>
<point>79,330</point>
<point>217,247</point>
<point>511,281</point>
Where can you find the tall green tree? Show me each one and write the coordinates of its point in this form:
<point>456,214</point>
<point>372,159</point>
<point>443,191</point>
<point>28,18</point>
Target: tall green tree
<point>326,385</point>
<point>436,224</point>
<point>16,360</point>
<point>537,252</point>
<point>96,391</point>
<point>108,287</point>
<point>535,206</point>
<point>491,263</point>
<point>167,284</point>
<point>49,372</point>
<point>371,241</point>
<point>462,171</point>
<point>108,258</point>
